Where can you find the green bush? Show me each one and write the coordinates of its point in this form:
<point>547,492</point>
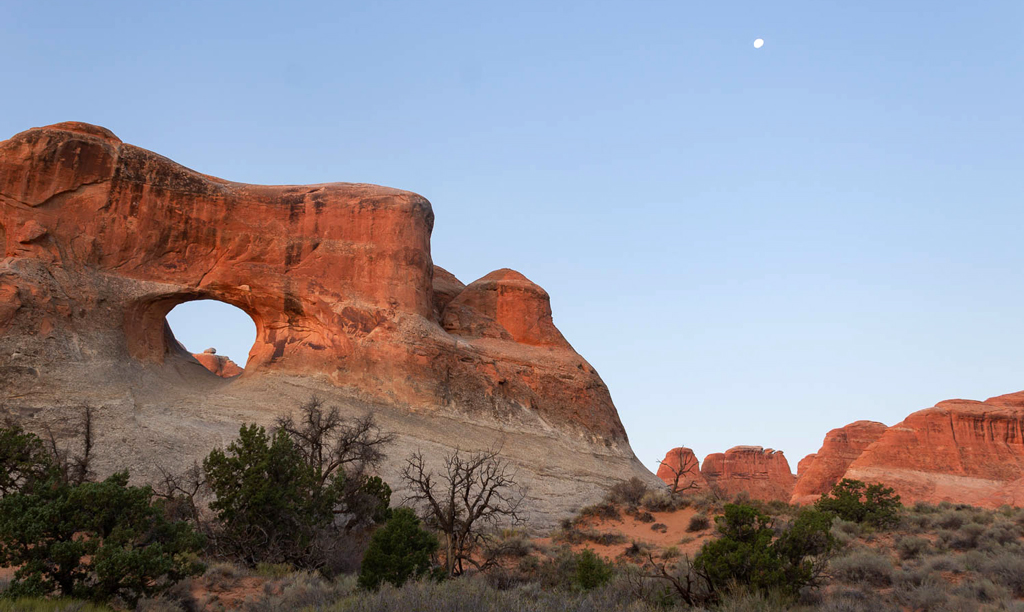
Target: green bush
<point>591,571</point>
<point>749,554</point>
<point>852,500</point>
<point>398,551</point>
<point>270,502</point>
<point>96,540</point>
<point>24,461</point>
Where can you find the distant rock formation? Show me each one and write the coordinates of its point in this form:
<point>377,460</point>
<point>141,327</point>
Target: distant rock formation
<point>102,239</point>
<point>762,473</point>
<point>841,447</point>
<point>681,469</point>
<point>960,451</point>
<point>218,364</point>
<point>803,464</point>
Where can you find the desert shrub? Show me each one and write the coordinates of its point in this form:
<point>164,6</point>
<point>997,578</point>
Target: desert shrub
<point>659,527</point>
<point>864,567</point>
<point>998,535</point>
<point>1006,569</point>
<point>965,538</point>
<point>645,517</point>
<point>924,597</point>
<point>852,500</point>
<point>658,500</point>
<point>273,570</point>
<point>636,549</point>
<point>95,540</point>
<point>951,519</point>
<point>983,590</point>
<point>914,522</point>
<point>628,492</point>
<point>31,604</point>
<point>672,552</point>
<point>748,553</point>
<point>698,522</point>
<point>398,551</point>
<point>270,503</point>
<point>847,599</point>
<point>605,510</point>
<point>911,547</point>
<point>753,600</point>
<point>591,571</point>
<point>944,563</point>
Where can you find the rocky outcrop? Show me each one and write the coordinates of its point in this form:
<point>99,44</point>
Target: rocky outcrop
<point>101,239</point>
<point>218,364</point>
<point>762,473</point>
<point>961,451</point>
<point>680,469</point>
<point>842,446</point>
<point>803,464</point>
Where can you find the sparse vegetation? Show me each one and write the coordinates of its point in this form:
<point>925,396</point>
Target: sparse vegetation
<point>852,500</point>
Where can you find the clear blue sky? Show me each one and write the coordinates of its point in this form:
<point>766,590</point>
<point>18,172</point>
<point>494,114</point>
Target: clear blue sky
<point>751,246</point>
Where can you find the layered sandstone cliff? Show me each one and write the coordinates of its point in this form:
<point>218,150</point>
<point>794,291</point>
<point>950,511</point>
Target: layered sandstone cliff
<point>960,451</point>
<point>842,446</point>
<point>101,239</point>
<point>761,473</point>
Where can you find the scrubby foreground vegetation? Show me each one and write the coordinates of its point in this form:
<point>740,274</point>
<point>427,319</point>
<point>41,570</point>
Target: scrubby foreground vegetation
<point>295,518</point>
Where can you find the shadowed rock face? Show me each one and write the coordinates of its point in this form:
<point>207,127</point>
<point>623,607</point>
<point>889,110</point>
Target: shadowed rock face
<point>841,447</point>
<point>101,239</point>
<point>762,473</point>
<point>961,451</point>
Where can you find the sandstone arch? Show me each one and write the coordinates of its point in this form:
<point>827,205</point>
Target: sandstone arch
<point>101,239</point>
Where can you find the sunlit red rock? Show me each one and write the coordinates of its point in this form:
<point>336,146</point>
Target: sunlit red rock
<point>101,239</point>
<point>762,473</point>
<point>960,451</point>
<point>841,447</point>
<point>803,464</point>
<point>218,364</point>
<point>680,468</point>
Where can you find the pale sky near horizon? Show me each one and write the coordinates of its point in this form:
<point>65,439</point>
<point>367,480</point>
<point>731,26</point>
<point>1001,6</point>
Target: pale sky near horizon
<point>752,246</point>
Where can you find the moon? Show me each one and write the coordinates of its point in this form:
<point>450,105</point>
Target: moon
<point>758,43</point>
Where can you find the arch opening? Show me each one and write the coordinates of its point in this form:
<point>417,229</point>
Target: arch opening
<point>218,335</point>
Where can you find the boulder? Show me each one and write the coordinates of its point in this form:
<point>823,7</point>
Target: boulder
<point>762,473</point>
<point>217,364</point>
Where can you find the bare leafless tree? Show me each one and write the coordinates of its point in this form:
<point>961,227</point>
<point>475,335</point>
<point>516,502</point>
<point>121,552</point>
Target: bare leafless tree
<point>330,443</point>
<point>73,468</point>
<point>687,467</point>
<point>691,584</point>
<point>349,450</point>
<point>184,491</point>
<point>472,493</point>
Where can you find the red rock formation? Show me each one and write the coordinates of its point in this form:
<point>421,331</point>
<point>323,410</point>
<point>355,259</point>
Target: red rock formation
<point>960,451</point>
<point>101,239</point>
<point>218,364</point>
<point>841,447</point>
<point>762,473</point>
<point>682,463</point>
<point>804,463</point>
